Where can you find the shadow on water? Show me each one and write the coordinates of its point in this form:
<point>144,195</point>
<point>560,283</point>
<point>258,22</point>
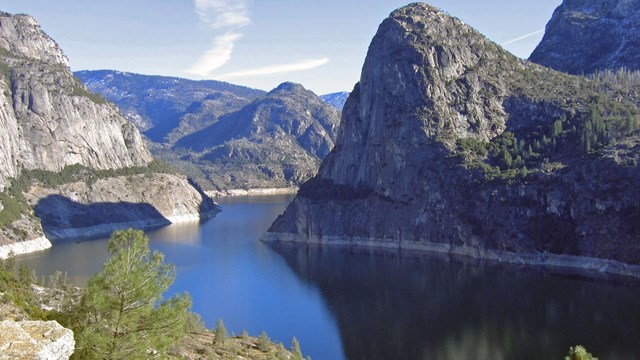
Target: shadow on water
<point>396,305</point>
<point>58,213</point>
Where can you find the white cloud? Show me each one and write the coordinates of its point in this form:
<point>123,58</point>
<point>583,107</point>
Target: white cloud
<point>223,13</point>
<point>217,56</point>
<point>276,69</point>
<point>216,15</point>
<point>522,37</point>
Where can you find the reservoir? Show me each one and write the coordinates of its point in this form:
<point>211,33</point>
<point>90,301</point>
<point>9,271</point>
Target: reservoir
<point>349,303</point>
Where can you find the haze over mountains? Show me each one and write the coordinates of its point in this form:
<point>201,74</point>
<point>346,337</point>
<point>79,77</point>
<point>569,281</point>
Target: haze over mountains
<point>451,144</point>
<point>226,136</point>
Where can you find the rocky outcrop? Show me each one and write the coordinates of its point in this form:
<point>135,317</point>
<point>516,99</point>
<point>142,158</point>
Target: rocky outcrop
<point>98,208</point>
<point>48,118</point>
<point>38,340</point>
<point>22,35</point>
<point>585,36</point>
<point>450,144</point>
<point>277,141</point>
<point>24,247</point>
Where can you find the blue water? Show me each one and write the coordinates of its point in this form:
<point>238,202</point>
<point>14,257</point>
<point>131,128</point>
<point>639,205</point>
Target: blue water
<point>365,304</point>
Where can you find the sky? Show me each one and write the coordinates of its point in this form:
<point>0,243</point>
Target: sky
<point>256,43</point>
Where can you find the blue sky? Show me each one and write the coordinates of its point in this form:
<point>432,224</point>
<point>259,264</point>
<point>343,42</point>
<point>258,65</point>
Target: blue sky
<point>257,43</point>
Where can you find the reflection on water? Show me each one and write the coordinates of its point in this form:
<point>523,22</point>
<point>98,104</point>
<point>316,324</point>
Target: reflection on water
<point>392,305</point>
<point>341,303</point>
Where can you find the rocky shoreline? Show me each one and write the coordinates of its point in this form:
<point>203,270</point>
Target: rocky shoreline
<point>252,192</point>
<point>24,247</point>
<point>590,265</point>
<point>92,232</point>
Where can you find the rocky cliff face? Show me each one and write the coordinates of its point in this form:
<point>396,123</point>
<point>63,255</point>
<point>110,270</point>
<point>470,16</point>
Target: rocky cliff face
<point>276,141</point>
<point>50,124</point>
<point>585,36</point>
<point>82,209</point>
<point>49,119</point>
<point>451,144</point>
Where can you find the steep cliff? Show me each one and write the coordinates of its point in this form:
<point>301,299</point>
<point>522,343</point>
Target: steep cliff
<point>584,36</point>
<point>276,141</point>
<point>49,119</point>
<point>53,127</point>
<point>450,144</point>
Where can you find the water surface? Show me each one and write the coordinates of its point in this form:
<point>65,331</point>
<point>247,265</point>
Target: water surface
<point>365,304</point>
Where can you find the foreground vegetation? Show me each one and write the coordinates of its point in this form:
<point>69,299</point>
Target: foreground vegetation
<point>123,314</point>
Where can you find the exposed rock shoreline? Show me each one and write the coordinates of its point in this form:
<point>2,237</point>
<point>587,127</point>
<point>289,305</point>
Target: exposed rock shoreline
<point>252,192</point>
<point>104,230</point>
<point>24,247</point>
<point>92,232</point>
<point>543,260</point>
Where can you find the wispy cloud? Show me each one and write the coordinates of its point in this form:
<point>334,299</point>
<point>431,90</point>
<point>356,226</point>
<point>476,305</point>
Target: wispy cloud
<point>277,69</point>
<point>217,15</point>
<point>223,13</point>
<point>217,56</point>
<point>522,37</point>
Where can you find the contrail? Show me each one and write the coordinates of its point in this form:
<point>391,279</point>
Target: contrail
<point>522,37</point>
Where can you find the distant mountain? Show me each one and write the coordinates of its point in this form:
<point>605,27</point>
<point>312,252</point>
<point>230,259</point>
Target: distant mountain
<point>61,143</point>
<point>450,144</point>
<point>584,36</point>
<point>276,141</point>
<point>336,100</point>
<point>167,108</point>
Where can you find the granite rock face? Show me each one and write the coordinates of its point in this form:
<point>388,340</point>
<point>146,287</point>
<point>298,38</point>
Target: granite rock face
<point>585,36</point>
<point>51,123</point>
<point>402,172</point>
<point>38,340</point>
<point>48,118</point>
<point>82,209</point>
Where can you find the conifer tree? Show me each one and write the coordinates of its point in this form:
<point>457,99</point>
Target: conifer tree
<point>295,349</point>
<point>122,315</point>
<point>221,333</point>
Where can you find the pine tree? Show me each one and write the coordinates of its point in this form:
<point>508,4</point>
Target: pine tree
<point>221,333</point>
<point>264,343</point>
<point>295,349</point>
<point>579,353</point>
<point>122,315</point>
